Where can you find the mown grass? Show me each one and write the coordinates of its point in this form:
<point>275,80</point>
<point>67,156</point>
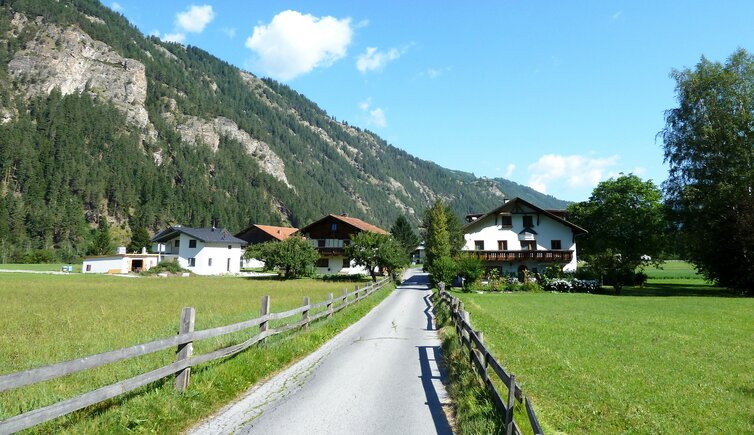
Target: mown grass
<point>43,267</point>
<point>628,364</point>
<point>673,269</point>
<point>46,319</point>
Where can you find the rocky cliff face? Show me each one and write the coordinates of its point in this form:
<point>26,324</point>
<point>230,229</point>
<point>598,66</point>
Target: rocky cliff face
<point>70,60</point>
<point>195,130</point>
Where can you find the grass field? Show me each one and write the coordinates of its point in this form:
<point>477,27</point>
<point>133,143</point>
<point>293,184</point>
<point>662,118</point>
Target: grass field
<point>45,267</point>
<point>673,270</point>
<point>49,318</point>
<point>654,362</point>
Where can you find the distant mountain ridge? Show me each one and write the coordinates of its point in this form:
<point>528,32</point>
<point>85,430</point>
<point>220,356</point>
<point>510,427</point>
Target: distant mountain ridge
<point>98,121</point>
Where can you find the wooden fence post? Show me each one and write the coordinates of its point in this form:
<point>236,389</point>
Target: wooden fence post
<point>329,306</point>
<point>305,314</point>
<point>188,316</point>
<point>511,402</point>
<point>464,333</point>
<point>345,296</point>
<point>356,293</point>
<point>441,286</point>
<point>263,311</point>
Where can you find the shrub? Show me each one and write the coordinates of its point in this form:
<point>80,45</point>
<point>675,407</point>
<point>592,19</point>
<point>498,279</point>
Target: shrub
<point>171,266</point>
<point>469,268</point>
<point>443,269</point>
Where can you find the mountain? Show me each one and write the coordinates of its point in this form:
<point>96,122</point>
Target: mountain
<point>98,121</point>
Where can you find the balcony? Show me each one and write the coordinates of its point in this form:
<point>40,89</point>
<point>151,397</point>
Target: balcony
<point>517,256</point>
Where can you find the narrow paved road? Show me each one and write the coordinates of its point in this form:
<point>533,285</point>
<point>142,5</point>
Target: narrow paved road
<point>379,376</point>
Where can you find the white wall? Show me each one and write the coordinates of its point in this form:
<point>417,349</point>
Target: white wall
<point>335,265</point>
<point>547,230</point>
<point>105,264</point>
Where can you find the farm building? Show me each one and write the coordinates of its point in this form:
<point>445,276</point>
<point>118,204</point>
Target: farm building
<point>519,236</point>
<point>330,235</point>
<point>120,262</point>
<point>203,251</point>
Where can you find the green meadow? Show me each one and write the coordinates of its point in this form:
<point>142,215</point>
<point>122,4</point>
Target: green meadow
<point>672,357</point>
<point>51,318</point>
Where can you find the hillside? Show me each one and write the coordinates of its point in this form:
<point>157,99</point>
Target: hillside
<point>99,121</point>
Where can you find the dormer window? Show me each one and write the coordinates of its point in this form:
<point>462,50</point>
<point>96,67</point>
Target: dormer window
<point>528,221</point>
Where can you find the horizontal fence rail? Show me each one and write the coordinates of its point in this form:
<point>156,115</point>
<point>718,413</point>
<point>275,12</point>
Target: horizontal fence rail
<point>482,361</point>
<point>184,358</point>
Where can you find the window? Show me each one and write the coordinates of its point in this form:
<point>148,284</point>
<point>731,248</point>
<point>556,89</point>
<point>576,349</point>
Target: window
<point>502,245</point>
<point>209,262</point>
<point>334,227</point>
<point>323,262</point>
<point>506,221</point>
<point>177,243</point>
<point>479,245</point>
<point>321,243</point>
<point>346,263</point>
<point>192,262</point>
<point>528,221</point>
<point>192,243</point>
<point>88,267</point>
<point>230,246</point>
<point>555,245</point>
<point>528,245</point>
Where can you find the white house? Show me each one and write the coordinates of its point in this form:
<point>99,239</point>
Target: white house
<point>203,251</point>
<point>330,235</point>
<point>520,236</point>
<point>121,262</point>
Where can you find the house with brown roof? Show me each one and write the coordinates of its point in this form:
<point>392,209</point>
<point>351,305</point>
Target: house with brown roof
<point>330,235</point>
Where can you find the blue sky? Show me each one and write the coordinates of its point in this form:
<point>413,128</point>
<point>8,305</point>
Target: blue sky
<point>554,95</point>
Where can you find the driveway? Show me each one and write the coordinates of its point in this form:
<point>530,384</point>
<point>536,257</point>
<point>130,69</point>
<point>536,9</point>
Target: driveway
<point>378,376</point>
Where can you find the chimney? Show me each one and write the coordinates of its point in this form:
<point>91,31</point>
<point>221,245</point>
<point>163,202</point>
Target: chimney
<point>344,214</point>
<point>120,250</point>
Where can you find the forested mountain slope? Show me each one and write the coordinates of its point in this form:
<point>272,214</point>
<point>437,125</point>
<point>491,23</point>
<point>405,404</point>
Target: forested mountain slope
<point>98,121</point>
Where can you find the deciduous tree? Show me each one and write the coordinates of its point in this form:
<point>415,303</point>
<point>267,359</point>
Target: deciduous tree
<point>709,145</point>
<point>627,228</point>
<point>376,251</point>
<point>293,256</point>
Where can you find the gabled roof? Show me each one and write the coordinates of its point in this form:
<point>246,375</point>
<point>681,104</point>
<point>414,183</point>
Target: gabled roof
<point>206,235</point>
<point>511,204</point>
<point>354,222</point>
<point>279,233</point>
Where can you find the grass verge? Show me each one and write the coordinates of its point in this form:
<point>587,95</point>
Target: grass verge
<point>52,318</point>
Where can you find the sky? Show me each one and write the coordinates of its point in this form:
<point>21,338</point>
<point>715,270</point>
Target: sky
<point>554,95</point>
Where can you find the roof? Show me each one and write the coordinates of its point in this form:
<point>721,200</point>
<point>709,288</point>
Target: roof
<point>354,222</point>
<point>510,204</point>
<point>206,235</point>
<point>280,233</point>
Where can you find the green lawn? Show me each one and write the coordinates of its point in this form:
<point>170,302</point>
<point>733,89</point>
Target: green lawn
<point>674,269</point>
<point>663,363</point>
<point>45,267</point>
<point>49,318</point>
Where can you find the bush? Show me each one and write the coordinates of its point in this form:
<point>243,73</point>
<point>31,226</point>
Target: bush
<point>443,269</point>
<point>38,256</point>
<point>470,269</point>
<point>171,266</point>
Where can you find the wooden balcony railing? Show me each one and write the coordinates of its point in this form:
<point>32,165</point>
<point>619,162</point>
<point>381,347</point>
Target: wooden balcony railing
<point>540,256</point>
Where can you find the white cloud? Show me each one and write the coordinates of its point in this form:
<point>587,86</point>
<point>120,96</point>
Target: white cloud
<point>617,15</point>
<point>116,6</point>
<point>194,19</point>
<point>375,116</point>
<point>375,60</point>
<point>174,37</point>
<point>230,32</point>
<point>574,171</point>
<point>294,44</point>
<point>509,170</point>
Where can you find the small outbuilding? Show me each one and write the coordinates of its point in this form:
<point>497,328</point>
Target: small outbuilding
<point>120,262</point>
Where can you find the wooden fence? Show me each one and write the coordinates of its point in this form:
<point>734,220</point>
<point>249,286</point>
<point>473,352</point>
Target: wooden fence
<point>181,368</point>
<point>482,360</point>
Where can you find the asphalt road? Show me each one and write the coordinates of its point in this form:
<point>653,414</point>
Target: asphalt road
<point>379,376</point>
